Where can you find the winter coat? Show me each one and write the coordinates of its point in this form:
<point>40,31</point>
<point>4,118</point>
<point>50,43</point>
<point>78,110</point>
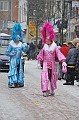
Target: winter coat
<point>77,68</point>
<point>15,51</point>
<point>64,49</point>
<point>71,57</point>
<point>47,55</point>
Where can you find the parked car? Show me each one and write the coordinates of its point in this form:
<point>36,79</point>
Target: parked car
<point>5,60</point>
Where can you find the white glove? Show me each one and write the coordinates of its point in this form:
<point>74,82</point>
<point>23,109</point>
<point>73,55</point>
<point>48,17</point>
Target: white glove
<point>25,44</point>
<point>64,64</point>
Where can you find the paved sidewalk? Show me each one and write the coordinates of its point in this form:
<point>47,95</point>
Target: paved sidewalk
<point>65,104</point>
<point>27,103</point>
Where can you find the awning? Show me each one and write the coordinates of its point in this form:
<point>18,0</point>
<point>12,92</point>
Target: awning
<point>4,34</point>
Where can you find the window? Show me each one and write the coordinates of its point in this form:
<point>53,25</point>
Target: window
<point>5,41</point>
<point>4,5</point>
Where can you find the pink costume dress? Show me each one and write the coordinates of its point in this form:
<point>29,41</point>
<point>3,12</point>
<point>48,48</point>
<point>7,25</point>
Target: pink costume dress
<point>47,55</point>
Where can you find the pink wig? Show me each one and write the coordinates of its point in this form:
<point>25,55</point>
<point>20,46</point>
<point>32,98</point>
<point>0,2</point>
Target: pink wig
<point>47,32</point>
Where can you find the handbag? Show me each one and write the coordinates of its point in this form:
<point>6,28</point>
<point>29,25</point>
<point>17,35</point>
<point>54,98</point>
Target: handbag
<point>64,69</point>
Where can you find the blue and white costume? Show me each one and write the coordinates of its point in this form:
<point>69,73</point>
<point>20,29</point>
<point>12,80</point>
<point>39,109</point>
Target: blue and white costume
<point>14,50</point>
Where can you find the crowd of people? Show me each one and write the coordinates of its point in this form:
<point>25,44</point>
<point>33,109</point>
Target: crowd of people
<point>49,52</point>
<point>71,51</point>
<point>32,53</point>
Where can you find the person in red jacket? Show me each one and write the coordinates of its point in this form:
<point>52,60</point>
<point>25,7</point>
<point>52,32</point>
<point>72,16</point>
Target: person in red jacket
<point>64,49</point>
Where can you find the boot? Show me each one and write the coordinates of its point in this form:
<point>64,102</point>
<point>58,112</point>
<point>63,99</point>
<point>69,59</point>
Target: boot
<point>72,83</point>
<point>45,94</point>
<point>53,93</point>
<point>67,83</point>
<point>11,86</point>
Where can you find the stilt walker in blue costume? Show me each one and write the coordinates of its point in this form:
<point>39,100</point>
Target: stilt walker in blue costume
<point>14,50</point>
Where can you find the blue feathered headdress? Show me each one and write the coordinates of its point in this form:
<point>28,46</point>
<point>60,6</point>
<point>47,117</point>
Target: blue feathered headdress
<point>17,30</point>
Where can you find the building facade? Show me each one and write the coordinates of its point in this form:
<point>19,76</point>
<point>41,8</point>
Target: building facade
<point>59,10</point>
<point>22,17</point>
<point>67,10</point>
<point>8,15</point>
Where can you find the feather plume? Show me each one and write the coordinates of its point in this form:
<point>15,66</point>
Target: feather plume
<point>16,30</point>
<point>47,31</point>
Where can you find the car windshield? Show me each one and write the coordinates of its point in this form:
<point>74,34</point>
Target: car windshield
<point>3,49</point>
<point>4,42</point>
<point>3,46</point>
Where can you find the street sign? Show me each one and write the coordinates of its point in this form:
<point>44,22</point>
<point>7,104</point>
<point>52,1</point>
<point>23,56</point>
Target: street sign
<point>31,29</point>
<point>75,4</point>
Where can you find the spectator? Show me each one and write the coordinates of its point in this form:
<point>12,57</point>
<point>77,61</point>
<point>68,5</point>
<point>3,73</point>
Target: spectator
<point>28,52</point>
<point>64,50</point>
<point>77,65</point>
<point>71,60</point>
<point>32,50</point>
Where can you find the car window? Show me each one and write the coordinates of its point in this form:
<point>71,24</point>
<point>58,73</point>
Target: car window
<point>3,49</point>
<point>4,42</point>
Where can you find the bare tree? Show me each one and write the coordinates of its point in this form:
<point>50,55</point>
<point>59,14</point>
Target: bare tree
<point>36,10</point>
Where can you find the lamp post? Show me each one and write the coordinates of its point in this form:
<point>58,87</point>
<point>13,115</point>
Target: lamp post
<point>36,24</point>
<point>63,12</point>
<point>61,9</point>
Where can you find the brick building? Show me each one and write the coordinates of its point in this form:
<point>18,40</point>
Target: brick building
<point>8,14</point>
<point>14,10</point>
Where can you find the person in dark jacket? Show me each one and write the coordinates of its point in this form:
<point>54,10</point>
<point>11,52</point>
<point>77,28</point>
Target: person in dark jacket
<point>71,60</point>
<point>32,50</point>
<point>77,65</point>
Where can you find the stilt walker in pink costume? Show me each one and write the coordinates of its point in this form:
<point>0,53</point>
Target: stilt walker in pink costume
<point>47,54</point>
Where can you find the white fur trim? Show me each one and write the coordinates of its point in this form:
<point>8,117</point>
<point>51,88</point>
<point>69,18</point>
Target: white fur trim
<point>13,44</point>
<point>50,48</point>
<point>64,64</point>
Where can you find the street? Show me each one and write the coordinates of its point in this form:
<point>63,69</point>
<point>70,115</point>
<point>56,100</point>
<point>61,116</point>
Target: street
<point>28,103</point>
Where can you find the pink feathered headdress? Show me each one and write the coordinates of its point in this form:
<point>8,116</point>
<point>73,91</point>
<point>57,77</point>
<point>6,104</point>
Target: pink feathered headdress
<point>47,32</point>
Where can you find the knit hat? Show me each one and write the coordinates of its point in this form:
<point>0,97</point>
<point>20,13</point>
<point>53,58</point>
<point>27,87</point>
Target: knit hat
<point>47,32</point>
<point>65,43</point>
